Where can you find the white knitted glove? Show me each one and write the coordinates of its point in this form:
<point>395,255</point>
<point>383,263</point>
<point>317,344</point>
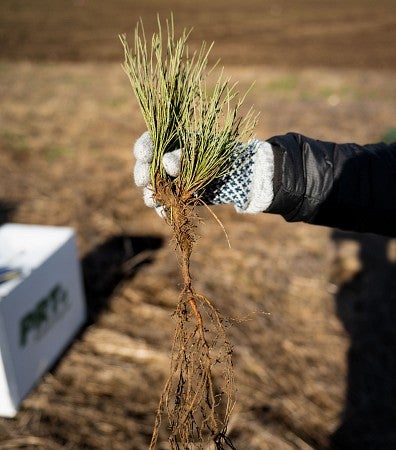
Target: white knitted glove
<point>248,186</point>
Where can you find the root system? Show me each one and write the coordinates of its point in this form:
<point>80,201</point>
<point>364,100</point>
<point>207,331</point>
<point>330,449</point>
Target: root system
<point>198,396</point>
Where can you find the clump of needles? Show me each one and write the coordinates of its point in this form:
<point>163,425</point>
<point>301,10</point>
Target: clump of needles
<point>181,112</point>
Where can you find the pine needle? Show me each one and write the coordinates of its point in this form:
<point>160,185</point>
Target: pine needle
<point>170,85</point>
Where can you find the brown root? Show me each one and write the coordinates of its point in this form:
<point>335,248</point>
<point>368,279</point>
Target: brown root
<point>198,396</point>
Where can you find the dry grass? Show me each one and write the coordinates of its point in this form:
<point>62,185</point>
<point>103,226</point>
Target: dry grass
<point>284,279</point>
<point>315,353</point>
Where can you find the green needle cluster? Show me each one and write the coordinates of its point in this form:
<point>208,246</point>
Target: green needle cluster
<point>180,111</point>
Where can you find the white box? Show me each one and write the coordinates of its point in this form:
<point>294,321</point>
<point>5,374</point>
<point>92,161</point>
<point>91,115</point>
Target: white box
<point>40,311</point>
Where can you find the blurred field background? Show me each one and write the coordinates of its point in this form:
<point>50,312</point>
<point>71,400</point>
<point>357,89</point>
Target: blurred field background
<point>315,353</point>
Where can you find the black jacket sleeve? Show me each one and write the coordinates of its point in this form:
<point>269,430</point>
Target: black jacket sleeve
<point>346,186</point>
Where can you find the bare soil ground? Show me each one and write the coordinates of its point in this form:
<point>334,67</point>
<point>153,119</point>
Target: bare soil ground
<point>343,33</point>
<point>315,351</point>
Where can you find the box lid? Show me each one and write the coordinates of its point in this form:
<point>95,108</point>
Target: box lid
<point>26,247</point>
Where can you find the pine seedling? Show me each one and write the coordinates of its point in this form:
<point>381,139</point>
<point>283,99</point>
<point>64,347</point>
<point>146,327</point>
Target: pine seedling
<point>180,111</point>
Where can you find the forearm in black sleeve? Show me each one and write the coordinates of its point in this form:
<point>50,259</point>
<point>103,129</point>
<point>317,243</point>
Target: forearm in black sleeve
<point>346,186</point>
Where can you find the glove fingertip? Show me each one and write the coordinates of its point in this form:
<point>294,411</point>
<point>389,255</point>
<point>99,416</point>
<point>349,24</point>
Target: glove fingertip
<point>160,210</point>
<point>148,197</point>
<point>141,173</point>
<point>171,162</point>
<point>144,148</point>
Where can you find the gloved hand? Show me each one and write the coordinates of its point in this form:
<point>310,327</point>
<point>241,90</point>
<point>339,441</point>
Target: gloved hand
<point>248,186</point>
